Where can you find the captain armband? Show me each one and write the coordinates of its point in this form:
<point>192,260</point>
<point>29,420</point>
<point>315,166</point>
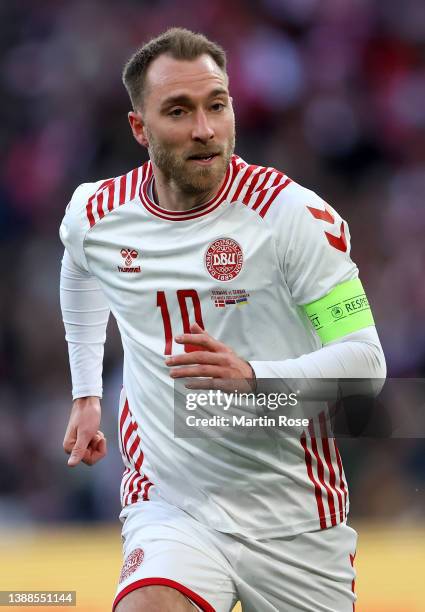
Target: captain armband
<point>343,311</point>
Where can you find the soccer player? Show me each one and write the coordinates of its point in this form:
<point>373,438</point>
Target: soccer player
<point>217,268</point>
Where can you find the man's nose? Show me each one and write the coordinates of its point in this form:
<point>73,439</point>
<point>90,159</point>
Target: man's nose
<point>202,130</point>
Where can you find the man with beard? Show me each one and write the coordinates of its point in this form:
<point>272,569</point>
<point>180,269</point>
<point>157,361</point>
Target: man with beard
<point>220,269</point>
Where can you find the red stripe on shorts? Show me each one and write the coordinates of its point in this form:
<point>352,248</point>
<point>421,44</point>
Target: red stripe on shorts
<point>200,601</point>
<point>353,582</point>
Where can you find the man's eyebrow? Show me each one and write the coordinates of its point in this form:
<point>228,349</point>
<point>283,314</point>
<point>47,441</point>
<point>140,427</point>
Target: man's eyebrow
<point>183,99</point>
<point>220,91</point>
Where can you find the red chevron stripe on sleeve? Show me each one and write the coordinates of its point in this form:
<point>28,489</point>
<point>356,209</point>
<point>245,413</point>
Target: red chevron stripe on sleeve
<point>323,215</point>
<point>338,242</point>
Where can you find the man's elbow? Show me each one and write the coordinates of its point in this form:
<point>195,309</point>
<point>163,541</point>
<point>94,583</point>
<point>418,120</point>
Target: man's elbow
<point>378,367</point>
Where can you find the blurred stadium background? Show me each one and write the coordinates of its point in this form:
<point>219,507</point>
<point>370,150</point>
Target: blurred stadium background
<point>330,91</point>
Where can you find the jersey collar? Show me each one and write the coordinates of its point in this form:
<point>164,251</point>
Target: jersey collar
<point>146,188</point>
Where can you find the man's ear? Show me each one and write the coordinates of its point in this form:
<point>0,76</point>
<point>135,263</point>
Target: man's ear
<point>138,128</point>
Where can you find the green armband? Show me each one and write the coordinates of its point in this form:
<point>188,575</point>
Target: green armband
<point>343,311</point>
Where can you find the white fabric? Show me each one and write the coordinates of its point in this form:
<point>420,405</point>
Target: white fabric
<point>356,355</point>
<point>85,315</point>
<point>250,486</point>
<point>74,227</point>
<point>311,572</point>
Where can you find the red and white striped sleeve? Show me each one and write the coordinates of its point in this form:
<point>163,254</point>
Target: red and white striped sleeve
<point>76,223</point>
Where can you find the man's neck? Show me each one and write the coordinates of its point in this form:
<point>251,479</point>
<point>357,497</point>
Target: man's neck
<point>168,196</point>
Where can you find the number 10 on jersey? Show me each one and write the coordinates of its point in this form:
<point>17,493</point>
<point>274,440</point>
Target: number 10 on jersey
<point>183,296</point>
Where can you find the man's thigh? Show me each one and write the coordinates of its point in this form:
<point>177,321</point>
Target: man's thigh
<point>311,572</point>
<point>155,599</point>
<point>164,547</point>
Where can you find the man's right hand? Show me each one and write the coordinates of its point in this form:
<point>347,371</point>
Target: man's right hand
<point>83,440</point>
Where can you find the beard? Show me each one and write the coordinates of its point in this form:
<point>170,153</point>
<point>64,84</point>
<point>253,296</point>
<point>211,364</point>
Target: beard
<point>191,179</point>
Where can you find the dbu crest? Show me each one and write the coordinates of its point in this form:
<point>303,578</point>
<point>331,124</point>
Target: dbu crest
<point>224,259</point>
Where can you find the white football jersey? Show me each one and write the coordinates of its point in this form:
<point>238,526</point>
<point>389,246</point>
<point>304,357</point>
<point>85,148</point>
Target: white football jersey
<point>240,265</point>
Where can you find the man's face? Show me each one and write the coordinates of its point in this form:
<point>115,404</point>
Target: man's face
<point>189,122</point>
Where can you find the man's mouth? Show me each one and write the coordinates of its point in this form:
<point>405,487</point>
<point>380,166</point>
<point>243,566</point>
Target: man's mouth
<point>203,157</point>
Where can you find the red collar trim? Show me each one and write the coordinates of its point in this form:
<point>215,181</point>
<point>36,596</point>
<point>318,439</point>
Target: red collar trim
<point>193,213</point>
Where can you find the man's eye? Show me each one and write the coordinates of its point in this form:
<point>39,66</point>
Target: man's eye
<point>218,106</point>
<point>176,112</point>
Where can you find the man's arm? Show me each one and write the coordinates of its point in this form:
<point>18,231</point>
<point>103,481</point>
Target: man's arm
<point>357,355</point>
<point>85,315</point>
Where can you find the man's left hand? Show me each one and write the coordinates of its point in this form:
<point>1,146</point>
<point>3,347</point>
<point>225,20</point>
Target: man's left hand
<point>213,360</point>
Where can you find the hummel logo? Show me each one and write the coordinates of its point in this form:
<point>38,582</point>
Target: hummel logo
<point>128,255</point>
<point>338,242</point>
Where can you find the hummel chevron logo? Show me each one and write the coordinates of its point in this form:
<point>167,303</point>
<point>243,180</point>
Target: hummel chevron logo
<point>129,255</point>
<point>338,242</point>
<point>323,215</point>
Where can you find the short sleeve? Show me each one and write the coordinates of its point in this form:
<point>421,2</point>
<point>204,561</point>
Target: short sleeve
<point>315,246</point>
<point>75,223</point>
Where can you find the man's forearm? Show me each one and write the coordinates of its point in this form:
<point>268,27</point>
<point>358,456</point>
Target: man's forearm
<point>85,315</point>
<point>358,355</point>
<point>86,364</point>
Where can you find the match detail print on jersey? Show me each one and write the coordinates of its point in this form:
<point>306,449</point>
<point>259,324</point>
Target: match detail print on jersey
<point>343,311</point>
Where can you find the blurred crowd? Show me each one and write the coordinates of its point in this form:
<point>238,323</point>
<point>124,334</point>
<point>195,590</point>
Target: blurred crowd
<point>329,91</point>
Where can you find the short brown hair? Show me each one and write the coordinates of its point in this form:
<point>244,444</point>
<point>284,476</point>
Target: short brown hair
<point>181,44</point>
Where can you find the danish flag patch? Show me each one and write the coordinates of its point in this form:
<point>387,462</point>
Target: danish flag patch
<point>327,215</point>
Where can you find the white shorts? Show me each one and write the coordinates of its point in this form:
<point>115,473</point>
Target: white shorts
<point>165,546</point>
